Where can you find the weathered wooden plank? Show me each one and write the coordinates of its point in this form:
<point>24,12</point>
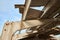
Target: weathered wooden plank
<point>52,7</point>
<point>21,8</point>
<point>56,13</point>
<point>36,3</point>
<point>26,9</point>
<point>58,16</point>
<point>33,14</point>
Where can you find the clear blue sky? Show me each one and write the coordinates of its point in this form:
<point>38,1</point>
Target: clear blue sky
<point>8,11</point>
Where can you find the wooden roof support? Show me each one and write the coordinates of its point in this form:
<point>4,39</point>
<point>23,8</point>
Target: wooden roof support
<point>26,9</point>
<point>55,13</point>
<point>58,16</point>
<point>38,3</point>
<point>52,31</point>
<point>51,8</point>
<point>33,14</point>
<point>30,11</point>
<point>21,8</point>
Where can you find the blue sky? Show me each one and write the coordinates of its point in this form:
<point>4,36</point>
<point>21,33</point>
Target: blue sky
<point>9,12</point>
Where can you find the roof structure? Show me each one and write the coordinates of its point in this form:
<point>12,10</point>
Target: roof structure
<point>50,15</point>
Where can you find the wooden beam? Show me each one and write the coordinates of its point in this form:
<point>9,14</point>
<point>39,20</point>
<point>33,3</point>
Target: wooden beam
<point>48,27</point>
<point>33,14</point>
<point>55,13</point>
<point>53,6</point>
<point>38,3</point>
<point>55,32</point>
<point>58,16</point>
<point>30,11</point>
<point>26,9</point>
<point>31,23</point>
<point>21,8</point>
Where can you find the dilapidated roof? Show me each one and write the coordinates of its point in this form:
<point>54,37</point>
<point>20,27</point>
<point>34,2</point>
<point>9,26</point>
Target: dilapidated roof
<point>49,15</point>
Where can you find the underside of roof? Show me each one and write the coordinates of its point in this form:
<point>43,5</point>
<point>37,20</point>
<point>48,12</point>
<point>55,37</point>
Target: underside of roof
<point>50,15</point>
